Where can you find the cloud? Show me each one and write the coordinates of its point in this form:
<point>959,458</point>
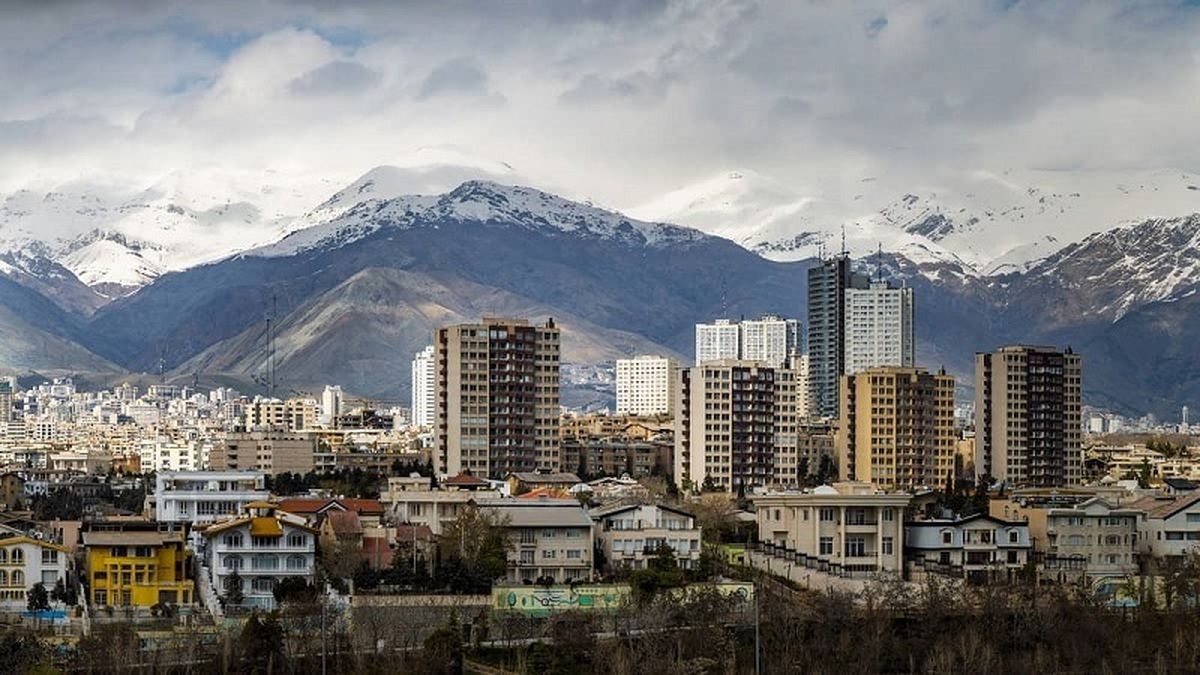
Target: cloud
<point>461,76</point>
<point>337,77</point>
<point>618,100</point>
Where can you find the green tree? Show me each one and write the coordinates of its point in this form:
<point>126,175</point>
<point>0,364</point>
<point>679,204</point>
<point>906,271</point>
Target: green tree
<point>233,590</point>
<point>261,643</point>
<point>38,599</point>
<point>295,590</point>
<point>474,551</point>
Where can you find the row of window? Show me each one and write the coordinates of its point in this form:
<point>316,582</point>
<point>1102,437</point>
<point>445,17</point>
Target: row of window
<point>236,540</point>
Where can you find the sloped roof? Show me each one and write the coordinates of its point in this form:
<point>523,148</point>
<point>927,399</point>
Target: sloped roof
<point>545,493</point>
<point>539,513</point>
<point>130,538</point>
<point>621,508</point>
<point>464,480</point>
<point>311,506</point>
<point>1165,507</point>
<point>534,477</point>
<point>407,532</point>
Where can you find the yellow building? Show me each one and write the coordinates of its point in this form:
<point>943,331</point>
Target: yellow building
<point>138,568</point>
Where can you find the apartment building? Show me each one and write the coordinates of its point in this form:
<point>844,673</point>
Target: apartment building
<point>978,548</point>
<point>271,452</point>
<point>1170,527</point>
<point>198,497</point>
<point>827,285</point>
<point>736,427</point>
<point>851,527</point>
<point>413,500</point>
<point>771,340</point>
<point>1095,537</point>
<point>497,397</point>
<point>632,534</point>
<point>424,388</point>
<point>879,328</point>
<point>25,562</point>
<point>134,564</point>
<point>717,340</point>
<point>294,414</point>
<point>1028,424</point>
<point>551,539</point>
<point>619,455</point>
<point>263,546</point>
<point>644,385</point>
<point>896,428</point>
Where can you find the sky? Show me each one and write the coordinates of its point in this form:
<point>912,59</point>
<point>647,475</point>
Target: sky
<point>615,100</point>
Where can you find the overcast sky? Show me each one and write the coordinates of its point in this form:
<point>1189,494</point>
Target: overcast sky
<point>613,99</point>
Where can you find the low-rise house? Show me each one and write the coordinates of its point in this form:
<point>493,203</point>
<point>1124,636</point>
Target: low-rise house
<point>263,546</point>
<point>1179,486</point>
<point>132,563</point>
<point>413,501</point>
<point>1170,527</point>
<point>1095,537</point>
<point>979,548</point>
<point>198,497</point>
<point>550,539</point>
<point>847,528</point>
<point>630,535</point>
<point>25,562</point>
<point>314,511</point>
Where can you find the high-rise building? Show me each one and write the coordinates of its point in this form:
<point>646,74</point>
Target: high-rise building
<point>271,414</point>
<point>771,340</point>
<point>717,340</point>
<point>735,426</point>
<point>6,401</point>
<point>1028,424</point>
<point>424,388</point>
<point>644,385</point>
<point>896,428</point>
<point>497,397</point>
<point>331,405</point>
<point>879,328</point>
<point>827,285</point>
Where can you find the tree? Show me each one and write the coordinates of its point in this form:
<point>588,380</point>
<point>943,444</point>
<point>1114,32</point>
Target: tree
<point>38,599</point>
<point>295,590</point>
<point>261,642</point>
<point>474,550</point>
<point>233,590</point>
<point>23,652</point>
<point>63,593</point>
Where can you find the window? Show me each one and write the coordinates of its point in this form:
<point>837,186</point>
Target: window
<point>142,552</point>
<point>3,555</point>
<point>889,515</point>
<point>856,547</point>
<point>3,578</point>
<point>574,554</point>
<point>826,514</point>
<point>264,542</point>
<point>49,556</point>
<point>526,557</point>
<point>947,537</point>
<point>1013,536</point>
<point>233,562</point>
<point>548,533</point>
<point>777,515</point>
<point>826,546</point>
<point>856,517</point>
<point>1193,517</point>
<point>888,546</point>
<point>295,562</point>
<point>100,597</point>
<point>1012,558</point>
<point>119,551</point>
<point>263,585</point>
<point>18,578</point>
<point>233,539</point>
<point>297,540</point>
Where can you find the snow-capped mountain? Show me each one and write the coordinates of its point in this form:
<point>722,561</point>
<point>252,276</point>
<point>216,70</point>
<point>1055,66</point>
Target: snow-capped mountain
<point>473,201</point>
<point>990,222</point>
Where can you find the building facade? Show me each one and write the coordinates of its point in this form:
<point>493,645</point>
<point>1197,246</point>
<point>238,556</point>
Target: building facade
<point>827,286</point>
<point>270,452</point>
<point>978,548</point>
<point>197,497</point>
<point>263,546</point>
<point>497,397</point>
<point>879,329</point>
<point>1028,423</point>
<point>644,385</point>
<point>896,428</point>
<point>632,534</point>
<point>551,539</point>
<point>26,562</point>
<point>736,427</point>
<point>851,526</point>
<point>717,340</point>
<point>424,388</point>
<point>138,568</point>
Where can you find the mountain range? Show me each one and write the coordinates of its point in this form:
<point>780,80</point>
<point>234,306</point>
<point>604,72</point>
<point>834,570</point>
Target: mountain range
<point>183,275</point>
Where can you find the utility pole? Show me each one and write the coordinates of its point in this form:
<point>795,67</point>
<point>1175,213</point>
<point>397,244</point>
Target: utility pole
<point>757,634</point>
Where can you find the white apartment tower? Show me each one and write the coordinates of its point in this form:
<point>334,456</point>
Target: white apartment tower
<point>424,373</point>
<point>879,327</point>
<point>717,340</point>
<point>331,405</point>
<point>644,385</point>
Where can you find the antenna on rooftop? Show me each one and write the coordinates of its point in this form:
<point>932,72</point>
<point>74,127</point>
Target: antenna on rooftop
<point>879,262</point>
<point>843,240</point>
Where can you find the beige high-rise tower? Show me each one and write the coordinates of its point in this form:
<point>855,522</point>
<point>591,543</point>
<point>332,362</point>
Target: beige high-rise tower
<point>896,427</point>
<point>497,402</point>
<point>1028,422</point>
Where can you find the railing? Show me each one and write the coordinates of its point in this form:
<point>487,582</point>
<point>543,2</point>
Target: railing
<point>846,571</point>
